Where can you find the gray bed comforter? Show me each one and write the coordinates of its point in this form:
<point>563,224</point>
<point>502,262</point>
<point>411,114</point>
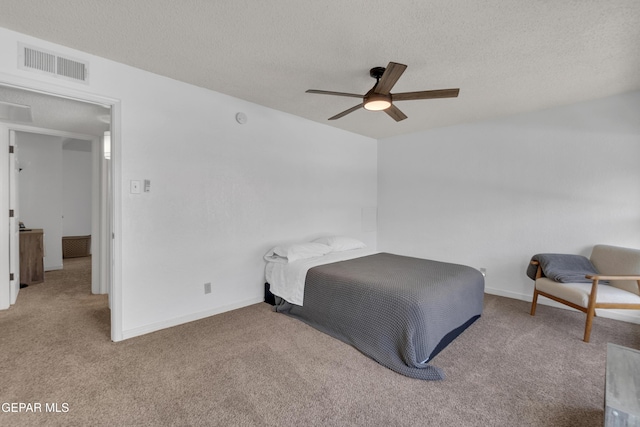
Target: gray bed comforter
<point>398,310</point>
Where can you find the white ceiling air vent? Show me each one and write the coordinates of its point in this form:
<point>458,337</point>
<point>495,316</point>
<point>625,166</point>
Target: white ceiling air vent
<point>53,64</point>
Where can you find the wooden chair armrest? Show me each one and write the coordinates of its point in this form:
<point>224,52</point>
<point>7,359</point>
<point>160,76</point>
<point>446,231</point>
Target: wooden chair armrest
<point>538,270</point>
<point>610,277</point>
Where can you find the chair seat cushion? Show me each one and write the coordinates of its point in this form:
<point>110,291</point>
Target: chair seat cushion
<point>578,293</point>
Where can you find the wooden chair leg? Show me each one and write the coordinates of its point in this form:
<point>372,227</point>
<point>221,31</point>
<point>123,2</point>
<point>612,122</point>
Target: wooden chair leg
<point>591,312</point>
<point>534,302</point>
<point>591,309</point>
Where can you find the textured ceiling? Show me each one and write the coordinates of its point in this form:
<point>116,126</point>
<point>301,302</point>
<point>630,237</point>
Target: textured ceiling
<point>505,56</point>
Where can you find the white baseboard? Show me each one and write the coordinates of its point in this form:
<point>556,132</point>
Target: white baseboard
<point>508,294</point>
<point>631,316</point>
<point>130,333</point>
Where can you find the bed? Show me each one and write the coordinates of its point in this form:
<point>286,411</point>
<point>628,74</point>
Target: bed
<point>400,311</point>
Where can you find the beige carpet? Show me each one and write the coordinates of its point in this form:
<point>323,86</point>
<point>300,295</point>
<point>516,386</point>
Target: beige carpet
<point>254,367</point>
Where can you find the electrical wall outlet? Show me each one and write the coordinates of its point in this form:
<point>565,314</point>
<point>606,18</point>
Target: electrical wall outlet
<point>207,288</point>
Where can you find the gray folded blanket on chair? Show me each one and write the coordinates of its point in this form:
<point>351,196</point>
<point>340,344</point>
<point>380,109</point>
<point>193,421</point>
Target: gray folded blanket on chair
<point>562,268</point>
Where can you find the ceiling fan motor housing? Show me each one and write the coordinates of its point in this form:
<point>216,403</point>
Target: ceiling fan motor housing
<point>376,72</point>
<point>376,101</point>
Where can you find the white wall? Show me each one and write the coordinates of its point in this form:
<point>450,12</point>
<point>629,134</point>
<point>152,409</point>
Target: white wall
<point>492,194</point>
<point>76,185</point>
<point>40,190</point>
<point>221,193</point>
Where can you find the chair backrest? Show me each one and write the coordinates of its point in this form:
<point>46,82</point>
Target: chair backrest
<point>617,260</point>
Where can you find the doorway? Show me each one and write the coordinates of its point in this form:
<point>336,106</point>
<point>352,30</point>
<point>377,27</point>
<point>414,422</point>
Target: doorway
<point>73,121</point>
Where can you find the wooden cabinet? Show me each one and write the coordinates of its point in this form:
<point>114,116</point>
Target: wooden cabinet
<point>31,256</point>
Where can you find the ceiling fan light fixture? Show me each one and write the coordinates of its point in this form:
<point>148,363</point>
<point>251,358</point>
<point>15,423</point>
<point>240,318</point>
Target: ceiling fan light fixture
<point>377,102</point>
<point>377,105</point>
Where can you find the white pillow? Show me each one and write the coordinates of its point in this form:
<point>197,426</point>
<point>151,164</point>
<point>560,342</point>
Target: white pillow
<point>341,243</point>
<point>296,251</point>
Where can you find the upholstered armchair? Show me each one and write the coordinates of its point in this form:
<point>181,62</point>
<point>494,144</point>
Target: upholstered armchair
<point>610,278</point>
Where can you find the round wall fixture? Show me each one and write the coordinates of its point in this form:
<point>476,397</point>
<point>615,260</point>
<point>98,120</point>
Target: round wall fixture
<point>241,118</point>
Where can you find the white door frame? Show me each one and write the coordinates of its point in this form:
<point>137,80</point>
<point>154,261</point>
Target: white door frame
<point>5,229</point>
<point>112,271</point>
<point>14,238</point>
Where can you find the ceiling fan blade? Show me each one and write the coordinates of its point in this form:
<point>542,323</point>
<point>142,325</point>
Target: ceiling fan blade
<point>326,92</point>
<point>425,94</point>
<point>395,113</point>
<point>391,75</point>
<point>345,112</point>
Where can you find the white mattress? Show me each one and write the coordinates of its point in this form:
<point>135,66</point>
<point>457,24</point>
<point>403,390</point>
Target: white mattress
<point>287,280</point>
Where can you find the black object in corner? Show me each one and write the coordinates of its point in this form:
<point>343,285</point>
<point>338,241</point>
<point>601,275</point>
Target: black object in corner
<point>269,298</point>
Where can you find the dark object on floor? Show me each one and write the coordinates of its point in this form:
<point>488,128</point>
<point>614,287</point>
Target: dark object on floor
<point>269,298</point>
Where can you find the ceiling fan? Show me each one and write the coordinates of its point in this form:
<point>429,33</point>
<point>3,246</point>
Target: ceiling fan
<point>380,98</point>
